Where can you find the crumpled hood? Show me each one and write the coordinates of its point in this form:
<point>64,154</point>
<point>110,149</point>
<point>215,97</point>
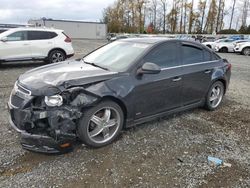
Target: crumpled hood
<point>62,75</point>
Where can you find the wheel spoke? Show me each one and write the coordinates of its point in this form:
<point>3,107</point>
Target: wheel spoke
<point>98,129</point>
<point>107,114</point>
<point>97,120</point>
<point>213,91</point>
<point>105,133</point>
<point>214,102</point>
<point>111,123</point>
<point>218,92</point>
<point>213,98</point>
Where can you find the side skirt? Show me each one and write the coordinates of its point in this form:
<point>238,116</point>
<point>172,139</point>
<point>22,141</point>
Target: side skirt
<point>131,123</point>
<point>22,59</point>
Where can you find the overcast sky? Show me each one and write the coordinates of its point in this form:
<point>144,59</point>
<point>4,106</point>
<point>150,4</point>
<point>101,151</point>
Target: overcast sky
<point>20,11</point>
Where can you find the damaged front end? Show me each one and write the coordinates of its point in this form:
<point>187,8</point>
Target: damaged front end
<point>48,123</point>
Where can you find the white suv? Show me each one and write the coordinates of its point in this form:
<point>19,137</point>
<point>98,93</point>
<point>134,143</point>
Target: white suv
<point>21,44</point>
<point>243,48</point>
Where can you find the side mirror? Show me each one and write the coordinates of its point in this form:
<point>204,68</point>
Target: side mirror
<point>149,68</point>
<point>4,39</point>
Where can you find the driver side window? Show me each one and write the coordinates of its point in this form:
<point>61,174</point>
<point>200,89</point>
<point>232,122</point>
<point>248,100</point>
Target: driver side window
<point>17,36</point>
<point>164,55</point>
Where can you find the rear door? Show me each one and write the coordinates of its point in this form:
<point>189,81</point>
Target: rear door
<point>16,47</point>
<point>41,43</point>
<point>155,93</point>
<point>197,70</point>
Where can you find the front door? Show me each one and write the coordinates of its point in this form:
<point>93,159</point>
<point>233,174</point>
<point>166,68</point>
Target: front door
<point>155,93</point>
<point>17,46</point>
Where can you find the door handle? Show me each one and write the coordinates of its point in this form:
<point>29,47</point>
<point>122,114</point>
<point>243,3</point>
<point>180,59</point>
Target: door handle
<point>26,44</point>
<point>207,71</point>
<point>176,79</point>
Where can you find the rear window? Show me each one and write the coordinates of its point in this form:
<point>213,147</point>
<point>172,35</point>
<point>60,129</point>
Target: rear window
<point>215,57</point>
<point>207,55</point>
<point>191,54</point>
<point>41,35</point>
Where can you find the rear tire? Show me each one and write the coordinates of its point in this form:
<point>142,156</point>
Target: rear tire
<point>101,124</point>
<point>224,50</point>
<point>214,96</point>
<point>246,51</point>
<point>56,56</point>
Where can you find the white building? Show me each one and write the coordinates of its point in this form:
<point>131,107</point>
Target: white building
<point>75,29</point>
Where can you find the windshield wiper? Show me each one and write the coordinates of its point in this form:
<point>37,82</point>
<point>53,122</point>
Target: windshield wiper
<point>95,65</point>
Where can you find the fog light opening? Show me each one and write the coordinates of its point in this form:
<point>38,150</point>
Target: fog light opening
<point>65,145</point>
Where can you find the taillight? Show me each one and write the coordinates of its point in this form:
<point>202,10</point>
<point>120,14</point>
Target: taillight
<point>227,64</point>
<point>68,39</point>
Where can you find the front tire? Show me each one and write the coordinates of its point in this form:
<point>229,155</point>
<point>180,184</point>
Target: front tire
<point>246,51</point>
<point>101,124</point>
<point>214,96</point>
<point>56,56</point>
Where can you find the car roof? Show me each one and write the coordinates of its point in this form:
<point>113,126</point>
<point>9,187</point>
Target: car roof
<point>34,29</point>
<point>149,40</point>
<point>157,40</point>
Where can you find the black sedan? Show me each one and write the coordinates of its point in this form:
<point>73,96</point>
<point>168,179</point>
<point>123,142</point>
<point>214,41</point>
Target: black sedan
<point>121,84</point>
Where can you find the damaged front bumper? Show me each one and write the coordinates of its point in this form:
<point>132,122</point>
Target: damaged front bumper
<point>44,128</point>
<point>40,143</point>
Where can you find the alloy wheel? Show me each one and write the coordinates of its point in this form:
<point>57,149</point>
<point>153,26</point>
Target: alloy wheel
<point>247,51</point>
<point>103,125</point>
<point>57,57</point>
<point>216,96</point>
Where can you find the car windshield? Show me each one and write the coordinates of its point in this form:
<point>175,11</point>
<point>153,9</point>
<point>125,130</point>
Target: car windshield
<point>116,56</point>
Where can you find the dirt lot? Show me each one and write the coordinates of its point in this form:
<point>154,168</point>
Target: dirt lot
<point>168,152</point>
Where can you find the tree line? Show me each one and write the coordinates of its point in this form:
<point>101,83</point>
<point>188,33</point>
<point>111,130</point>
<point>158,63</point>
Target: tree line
<point>177,16</point>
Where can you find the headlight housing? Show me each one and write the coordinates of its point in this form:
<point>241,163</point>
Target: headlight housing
<point>55,100</point>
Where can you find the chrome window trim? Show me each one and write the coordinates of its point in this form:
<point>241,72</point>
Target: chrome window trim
<point>179,66</point>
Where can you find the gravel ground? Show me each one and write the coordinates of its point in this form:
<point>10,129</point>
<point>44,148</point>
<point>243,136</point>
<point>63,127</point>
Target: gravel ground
<point>168,152</point>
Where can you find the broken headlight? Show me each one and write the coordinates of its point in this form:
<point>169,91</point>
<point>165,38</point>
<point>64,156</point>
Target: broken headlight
<point>55,100</point>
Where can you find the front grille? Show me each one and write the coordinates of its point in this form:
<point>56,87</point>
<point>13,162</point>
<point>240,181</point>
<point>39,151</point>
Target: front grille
<point>16,100</point>
<point>18,95</point>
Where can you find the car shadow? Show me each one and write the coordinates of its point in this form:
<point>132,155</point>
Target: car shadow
<point>23,64</point>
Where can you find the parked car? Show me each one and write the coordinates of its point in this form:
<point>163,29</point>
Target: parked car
<point>121,84</point>
<point>21,44</point>
<point>208,39</point>
<point>212,44</point>
<point>118,37</point>
<point>3,30</point>
<point>243,48</point>
<point>110,35</point>
<point>227,46</point>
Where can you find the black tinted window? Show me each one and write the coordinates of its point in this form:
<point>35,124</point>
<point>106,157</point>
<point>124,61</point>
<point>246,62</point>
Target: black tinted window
<point>191,54</point>
<point>2,30</point>
<point>17,36</point>
<point>163,55</point>
<point>207,55</point>
<point>41,35</point>
<point>215,57</point>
